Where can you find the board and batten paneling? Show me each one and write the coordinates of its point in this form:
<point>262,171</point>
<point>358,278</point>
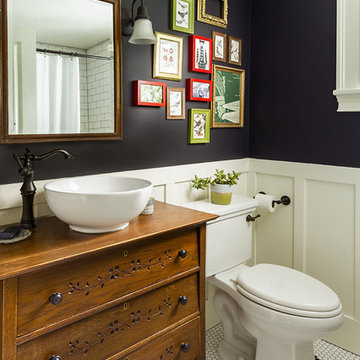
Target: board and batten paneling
<point>318,233</point>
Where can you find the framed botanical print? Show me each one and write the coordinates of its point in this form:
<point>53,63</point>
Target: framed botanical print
<point>200,54</point>
<point>182,15</point>
<point>220,21</point>
<point>149,93</point>
<point>228,97</point>
<point>175,105</point>
<point>219,46</point>
<point>234,50</point>
<point>198,90</point>
<point>168,57</point>
<point>199,126</point>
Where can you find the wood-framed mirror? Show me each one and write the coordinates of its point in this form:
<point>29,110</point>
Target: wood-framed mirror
<point>61,70</point>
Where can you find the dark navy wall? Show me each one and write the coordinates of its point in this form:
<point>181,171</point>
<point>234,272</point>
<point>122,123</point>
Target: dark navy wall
<point>149,139</point>
<point>293,69</point>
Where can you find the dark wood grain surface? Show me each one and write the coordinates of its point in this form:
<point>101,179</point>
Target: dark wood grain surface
<point>53,242</point>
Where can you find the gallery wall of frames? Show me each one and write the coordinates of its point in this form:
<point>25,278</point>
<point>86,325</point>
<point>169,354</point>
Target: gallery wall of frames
<point>153,136</point>
<point>218,56</point>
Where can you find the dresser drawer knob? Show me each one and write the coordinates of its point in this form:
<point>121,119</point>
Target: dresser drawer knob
<point>55,357</point>
<point>185,347</point>
<point>183,253</point>
<point>183,300</point>
<point>56,299</point>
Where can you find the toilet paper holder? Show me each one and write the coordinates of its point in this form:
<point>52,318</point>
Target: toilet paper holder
<point>284,200</point>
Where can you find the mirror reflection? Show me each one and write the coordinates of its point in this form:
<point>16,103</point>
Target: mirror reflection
<point>60,67</point>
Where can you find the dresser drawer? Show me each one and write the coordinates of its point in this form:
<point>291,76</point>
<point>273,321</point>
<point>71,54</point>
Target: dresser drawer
<point>183,343</point>
<point>109,332</point>
<point>95,280</point>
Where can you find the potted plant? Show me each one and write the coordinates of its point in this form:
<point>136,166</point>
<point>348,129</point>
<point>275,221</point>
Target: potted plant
<point>221,191</point>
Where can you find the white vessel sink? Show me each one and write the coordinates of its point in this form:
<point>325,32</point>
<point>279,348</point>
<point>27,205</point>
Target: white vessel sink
<point>96,204</point>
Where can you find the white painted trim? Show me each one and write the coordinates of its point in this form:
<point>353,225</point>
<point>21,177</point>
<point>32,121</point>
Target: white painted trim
<point>348,55</point>
<point>164,179</point>
<point>306,176</point>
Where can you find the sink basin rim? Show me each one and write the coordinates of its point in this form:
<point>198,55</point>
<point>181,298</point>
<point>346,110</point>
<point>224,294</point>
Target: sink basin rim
<point>50,185</point>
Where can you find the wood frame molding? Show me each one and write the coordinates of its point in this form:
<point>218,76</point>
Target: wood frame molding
<point>118,89</point>
<point>347,89</point>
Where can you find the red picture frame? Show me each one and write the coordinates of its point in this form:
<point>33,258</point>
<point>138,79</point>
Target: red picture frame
<point>200,54</point>
<point>146,94</point>
<point>198,90</point>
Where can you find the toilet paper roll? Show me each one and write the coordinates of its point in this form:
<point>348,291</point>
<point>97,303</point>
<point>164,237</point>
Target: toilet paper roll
<point>266,202</point>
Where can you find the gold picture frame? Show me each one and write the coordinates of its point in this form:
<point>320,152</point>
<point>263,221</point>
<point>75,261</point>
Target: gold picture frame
<point>227,106</point>
<point>168,57</point>
<point>212,19</point>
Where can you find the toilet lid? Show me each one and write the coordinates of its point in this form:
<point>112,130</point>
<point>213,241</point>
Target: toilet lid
<point>280,287</point>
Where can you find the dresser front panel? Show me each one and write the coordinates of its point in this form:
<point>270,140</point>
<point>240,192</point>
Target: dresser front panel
<point>95,280</point>
<point>172,345</point>
<point>114,330</point>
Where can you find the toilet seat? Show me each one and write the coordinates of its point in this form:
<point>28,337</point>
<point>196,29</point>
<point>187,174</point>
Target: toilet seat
<point>288,291</point>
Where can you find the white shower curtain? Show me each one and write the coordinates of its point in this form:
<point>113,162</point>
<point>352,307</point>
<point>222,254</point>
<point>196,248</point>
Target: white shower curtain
<point>58,94</point>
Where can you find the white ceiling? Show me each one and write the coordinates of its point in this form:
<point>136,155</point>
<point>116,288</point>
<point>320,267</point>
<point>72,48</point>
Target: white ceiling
<point>74,23</point>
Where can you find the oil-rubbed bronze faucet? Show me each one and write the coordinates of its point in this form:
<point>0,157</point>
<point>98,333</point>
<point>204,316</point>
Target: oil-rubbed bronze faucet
<point>28,189</point>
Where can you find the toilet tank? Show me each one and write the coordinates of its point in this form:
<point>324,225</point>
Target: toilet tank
<point>228,237</point>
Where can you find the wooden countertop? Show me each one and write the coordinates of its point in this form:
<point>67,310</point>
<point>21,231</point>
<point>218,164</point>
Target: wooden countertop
<point>52,241</point>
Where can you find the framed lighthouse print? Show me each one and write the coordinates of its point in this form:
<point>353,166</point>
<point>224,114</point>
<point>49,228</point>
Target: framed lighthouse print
<point>200,54</point>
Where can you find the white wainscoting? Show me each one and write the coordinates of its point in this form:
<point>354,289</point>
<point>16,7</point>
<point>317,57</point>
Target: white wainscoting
<point>171,184</point>
<point>317,234</point>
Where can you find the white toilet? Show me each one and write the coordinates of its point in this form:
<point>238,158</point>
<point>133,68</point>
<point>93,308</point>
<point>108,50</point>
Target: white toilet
<point>268,312</point>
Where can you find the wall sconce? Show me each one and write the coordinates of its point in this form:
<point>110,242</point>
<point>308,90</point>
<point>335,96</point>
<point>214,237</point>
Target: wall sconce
<point>140,28</point>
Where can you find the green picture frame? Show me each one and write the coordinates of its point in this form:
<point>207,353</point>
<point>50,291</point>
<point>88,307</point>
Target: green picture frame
<point>182,16</point>
<point>199,126</point>
<point>228,97</point>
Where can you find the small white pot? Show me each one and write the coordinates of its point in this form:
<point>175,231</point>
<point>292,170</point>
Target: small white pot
<point>221,194</point>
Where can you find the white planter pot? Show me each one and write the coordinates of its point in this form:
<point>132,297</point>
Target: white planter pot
<point>221,194</point>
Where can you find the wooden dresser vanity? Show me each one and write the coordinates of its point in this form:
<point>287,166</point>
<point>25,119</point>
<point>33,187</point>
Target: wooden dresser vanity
<point>135,294</point>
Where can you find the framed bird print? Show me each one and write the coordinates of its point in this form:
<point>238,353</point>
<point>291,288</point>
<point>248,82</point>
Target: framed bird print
<point>182,15</point>
<point>219,46</point>
<point>199,126</point>
<point>200,54</point>
<point>175,105</point>
<point>234,51</point>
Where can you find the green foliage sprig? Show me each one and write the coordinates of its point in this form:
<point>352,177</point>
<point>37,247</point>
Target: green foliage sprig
<point>219,178</point>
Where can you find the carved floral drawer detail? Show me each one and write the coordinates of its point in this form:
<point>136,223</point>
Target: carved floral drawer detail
<point>67,290</point>
<point>107,333</point>
<point>180,344</point>
<point>117,273</point>
<point>116,327</point>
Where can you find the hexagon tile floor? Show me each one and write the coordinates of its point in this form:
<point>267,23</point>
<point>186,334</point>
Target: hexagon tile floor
<point>322,349</point>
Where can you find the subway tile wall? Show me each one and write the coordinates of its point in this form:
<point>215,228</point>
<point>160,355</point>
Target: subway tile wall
<point>100,75</point>
<point>96,87</point>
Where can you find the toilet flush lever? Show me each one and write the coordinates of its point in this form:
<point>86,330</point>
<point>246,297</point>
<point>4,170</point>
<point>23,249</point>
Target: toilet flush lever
<point>252,218</point>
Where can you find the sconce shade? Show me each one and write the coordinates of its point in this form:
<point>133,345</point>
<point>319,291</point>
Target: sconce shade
<point>143,33</point>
